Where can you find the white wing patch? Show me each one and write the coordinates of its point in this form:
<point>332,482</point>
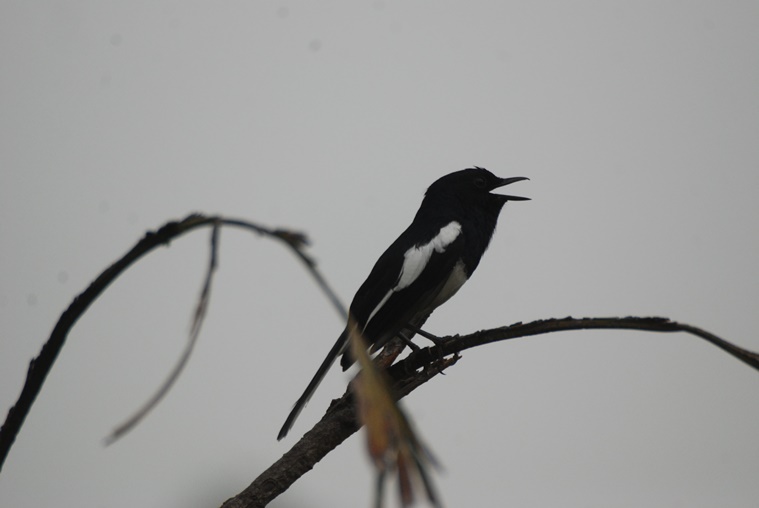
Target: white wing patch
<point>416,258</point>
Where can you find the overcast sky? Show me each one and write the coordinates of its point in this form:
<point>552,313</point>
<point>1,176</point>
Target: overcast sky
<point>637,123</point>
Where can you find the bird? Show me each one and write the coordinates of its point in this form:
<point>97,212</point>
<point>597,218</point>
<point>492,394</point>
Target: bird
<point>424,267</point>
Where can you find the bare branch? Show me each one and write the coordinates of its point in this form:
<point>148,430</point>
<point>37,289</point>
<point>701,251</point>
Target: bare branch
<point>40,366</point>
<point>336,426</point>
<point>340,422</point>
<point>457,344</point>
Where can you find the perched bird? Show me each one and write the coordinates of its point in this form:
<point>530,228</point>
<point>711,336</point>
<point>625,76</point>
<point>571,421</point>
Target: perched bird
<point>423,268</point>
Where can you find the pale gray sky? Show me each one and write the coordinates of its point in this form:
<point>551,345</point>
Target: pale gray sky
<point>637,122</point>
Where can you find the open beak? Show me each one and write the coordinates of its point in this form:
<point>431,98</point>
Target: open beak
<point>506,181</point>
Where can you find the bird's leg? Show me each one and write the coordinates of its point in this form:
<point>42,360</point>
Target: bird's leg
<point>434,338</point>
<point>407,340</point>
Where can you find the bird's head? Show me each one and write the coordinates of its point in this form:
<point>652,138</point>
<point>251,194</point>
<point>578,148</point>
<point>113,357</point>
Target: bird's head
<point>474,185</point>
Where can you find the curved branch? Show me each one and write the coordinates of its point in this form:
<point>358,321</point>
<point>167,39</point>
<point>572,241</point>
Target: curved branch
<point>40,366</point>
<point>340,422</point>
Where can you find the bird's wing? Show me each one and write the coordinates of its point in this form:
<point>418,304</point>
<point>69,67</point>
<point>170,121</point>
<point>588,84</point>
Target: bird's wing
<point>406,280</point>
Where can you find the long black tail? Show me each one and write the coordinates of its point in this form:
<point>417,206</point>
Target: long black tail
<point>338,348</point>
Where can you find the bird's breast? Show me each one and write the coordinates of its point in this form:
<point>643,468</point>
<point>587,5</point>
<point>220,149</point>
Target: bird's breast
<point>456,279</point>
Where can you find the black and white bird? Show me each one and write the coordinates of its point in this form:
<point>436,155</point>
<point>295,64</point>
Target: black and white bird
<point>423,268</point>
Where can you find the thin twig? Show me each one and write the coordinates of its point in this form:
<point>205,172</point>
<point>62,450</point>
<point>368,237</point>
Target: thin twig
<point>192,338</point>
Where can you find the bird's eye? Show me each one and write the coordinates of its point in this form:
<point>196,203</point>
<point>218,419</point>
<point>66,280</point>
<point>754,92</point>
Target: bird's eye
<point>479,182</point>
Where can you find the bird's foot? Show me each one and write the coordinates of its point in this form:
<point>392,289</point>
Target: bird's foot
<point>437,341</point>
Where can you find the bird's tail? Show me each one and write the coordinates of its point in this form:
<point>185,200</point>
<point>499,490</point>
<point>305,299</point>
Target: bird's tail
<point>338,348</point>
